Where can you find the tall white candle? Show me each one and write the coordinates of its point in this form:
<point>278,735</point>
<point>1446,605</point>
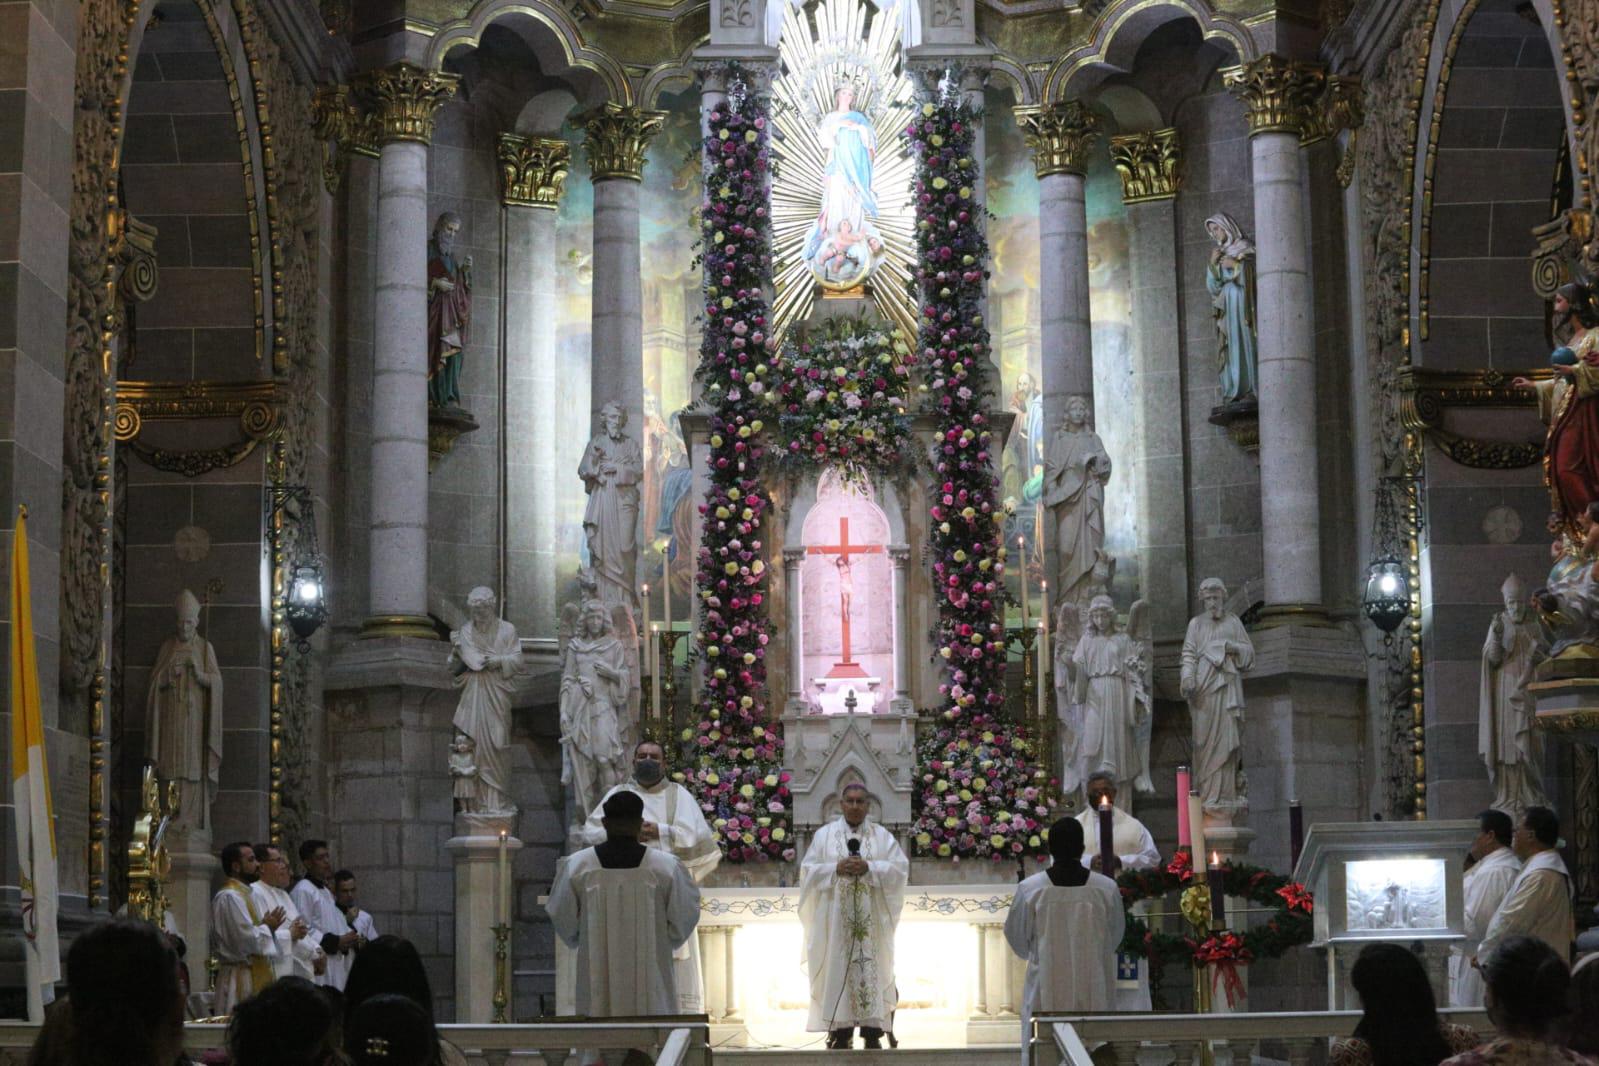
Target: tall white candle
<point>1196,830</point>
<point>1042,673</point>
<point>504,886</point>
<point>1021,569</point>
<point>655,676</point>
<point>666,563</point>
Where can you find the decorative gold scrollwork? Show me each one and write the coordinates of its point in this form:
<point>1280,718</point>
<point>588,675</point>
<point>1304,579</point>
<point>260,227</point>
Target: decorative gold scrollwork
<point>1426,394</point>
<point>256,404</point>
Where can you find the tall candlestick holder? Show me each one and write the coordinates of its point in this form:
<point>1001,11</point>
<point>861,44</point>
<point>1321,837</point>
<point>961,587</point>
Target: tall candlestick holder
<point>665,656</point>
<point>1195,906</point>
<point>502,935</point>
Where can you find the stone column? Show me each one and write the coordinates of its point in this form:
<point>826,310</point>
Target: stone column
<point>404,99</point>
<point>1150,167</point>
<point>532,178</point>
<point>1280,97</point>
<point>617,137</point>
<point>899,558</point>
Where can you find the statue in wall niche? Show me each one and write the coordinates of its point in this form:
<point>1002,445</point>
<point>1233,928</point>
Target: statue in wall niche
<point>1568,404</point>
<point>183,725</point>
<point>612,468</point>
<point>1230,279</point>
<point>1076,468</point>
<point>1568,604</point>
<point>1505,739</point>
<point>1107,676</point>
<point>594,695</point>
<point>485,654</point>
<point>1216,653</point>
<point>449,311</point>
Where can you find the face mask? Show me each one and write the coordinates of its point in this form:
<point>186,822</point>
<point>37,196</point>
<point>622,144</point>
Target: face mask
<point>647,771</point>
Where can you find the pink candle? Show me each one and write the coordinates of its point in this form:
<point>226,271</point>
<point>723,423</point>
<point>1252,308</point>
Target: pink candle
<point>1183,785</point>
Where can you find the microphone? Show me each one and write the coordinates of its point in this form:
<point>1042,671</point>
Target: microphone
<point>854,847</point>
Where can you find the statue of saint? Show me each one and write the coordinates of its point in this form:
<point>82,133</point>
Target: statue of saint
<point>611,469</point>
<point>484,655</point>
<point>594,694</point>
<point>183,725</point>
<point>1076,469</point>
<point>1104,663</point>
<point>449,311</point>
<point>1569,407</point>
<point>1505,739</point>
<point>1230,279</point>
<point>1216,652</point>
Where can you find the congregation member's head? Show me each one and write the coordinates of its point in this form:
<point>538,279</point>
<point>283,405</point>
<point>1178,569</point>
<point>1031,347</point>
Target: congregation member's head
<point>855,802</point>
<point>125,1005</point>
<point>239,862</point>
<point>622,815</point>
<point>390,1030</point>
<point>344,890</point>
<point>314,860</point>
<point>1399,1020</point>
<point>290,1022</point>
<point>1527,984</point>
<point>1538,830</point>
<point>1582,1034</point>
<point>1494,831</point>
<point>1100,786</point>
<point>272,865</point>
<point>649,763</point>
<point>1066,841</point>
<point>389,966</point>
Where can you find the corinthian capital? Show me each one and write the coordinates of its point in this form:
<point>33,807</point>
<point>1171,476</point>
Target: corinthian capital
<point>403,100</point>
<point>1280,95</point>
<point>617,138</point>
<point>1061,136</point>
<point>532,170</point>
<point>1149,164</point>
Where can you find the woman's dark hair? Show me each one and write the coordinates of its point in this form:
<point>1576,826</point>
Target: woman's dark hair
<point>391,1030</point>
<point>1528,983</point>
<point>1400,1019</point>
<point>290,1022</point>
<point>1582,1034</point>
<point>388,965</point>
<point>127,1010</point>
<point>1580,299</point>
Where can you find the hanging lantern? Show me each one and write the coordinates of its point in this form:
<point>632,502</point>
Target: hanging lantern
<point>1387,598</point>
<point>306,607</point>
<point>305,604</point>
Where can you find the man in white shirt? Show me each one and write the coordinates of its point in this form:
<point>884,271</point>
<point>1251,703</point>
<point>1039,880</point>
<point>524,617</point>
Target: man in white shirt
<point>1487,882</point>
<point>624,908</point>
<point>1134,848</point>
<point>298,955</point>
<point>245,936</point>
<point>360,920</point>
<point>852,888</point>
<point>329,930</point>
<point>1067,923</point>
<point>673,822</point>
<point>1539,902</point>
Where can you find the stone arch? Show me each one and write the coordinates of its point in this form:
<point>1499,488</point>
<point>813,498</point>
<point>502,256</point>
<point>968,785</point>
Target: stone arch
<point>804,498</point>
<point>1122,28</point>
<point>554,38</point>
<point>676,73</point>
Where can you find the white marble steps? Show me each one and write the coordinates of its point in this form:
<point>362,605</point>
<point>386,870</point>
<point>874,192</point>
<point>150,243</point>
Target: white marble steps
<point>987,1055</point>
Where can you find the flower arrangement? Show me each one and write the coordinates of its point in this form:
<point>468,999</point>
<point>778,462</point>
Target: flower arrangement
<point>733,751</point>
<point>1290,925</point>
<point>972,743</point>
<point>843,398</point>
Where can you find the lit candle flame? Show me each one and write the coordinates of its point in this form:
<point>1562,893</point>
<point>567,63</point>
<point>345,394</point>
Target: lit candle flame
<point>1104,803</point>
<point>1215,860</point>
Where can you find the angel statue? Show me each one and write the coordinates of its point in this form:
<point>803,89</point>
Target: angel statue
<point>1106,662</point>
<point>1141,666</point>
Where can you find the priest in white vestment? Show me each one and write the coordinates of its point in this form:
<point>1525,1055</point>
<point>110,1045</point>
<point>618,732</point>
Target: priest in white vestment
<point>244,935</point>
<point>674,823</point>
<point>1067,922</point>
<point>1539,901</point>
<point>1134,848</point>
<point>624,908</point>
<point>852,888</point>
<point>298,954</point>
<point>1485,887</point>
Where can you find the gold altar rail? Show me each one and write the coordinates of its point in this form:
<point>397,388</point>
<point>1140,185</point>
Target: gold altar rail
<point>679,1041</point>
<point>1182,1039</point>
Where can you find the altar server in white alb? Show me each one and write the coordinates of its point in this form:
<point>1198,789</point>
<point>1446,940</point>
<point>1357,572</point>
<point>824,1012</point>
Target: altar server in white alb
<point>673,823</point>
<point>245,936</point>
<point>1485,886</point>
<point>624,908</point>
<point>852,888</point>
<point>1066,921</point>
<point>298,954</point>
<point>1134,847</point>
<point>1539,902</point>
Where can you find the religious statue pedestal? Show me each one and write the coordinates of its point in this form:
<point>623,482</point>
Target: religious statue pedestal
<point>446,425</point>
<point>188,892</point>
<point>1565,693</point>
<point>1241,420</point>
<point>483,850</point>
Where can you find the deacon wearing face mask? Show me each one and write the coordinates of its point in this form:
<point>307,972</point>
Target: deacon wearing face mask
<point>673,823</point>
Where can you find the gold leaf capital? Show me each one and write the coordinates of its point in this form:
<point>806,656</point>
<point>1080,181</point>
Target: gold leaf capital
<point>1279,94</point>
<point>1061,136</point>
<point>403,99</point>
<point>1149,164</point>
<point>618,137</point>
<point>532,170</point>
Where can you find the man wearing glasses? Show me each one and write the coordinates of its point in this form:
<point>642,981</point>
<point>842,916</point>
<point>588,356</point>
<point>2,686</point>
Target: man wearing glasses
<point>1539,902</point>
<point>298,954</point>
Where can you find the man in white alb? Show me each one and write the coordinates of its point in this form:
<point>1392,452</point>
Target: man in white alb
<point>360,920</point>
<point>1539,902</point>
<point>298,954</point>
<point>1492,873</point>
<point>852,887</point>
<point>673,822</point>
<point>1134,847</point>
<point>245,936</point>
<point>624,908</point>
<point>313,894</point>
<point>1066,921</point>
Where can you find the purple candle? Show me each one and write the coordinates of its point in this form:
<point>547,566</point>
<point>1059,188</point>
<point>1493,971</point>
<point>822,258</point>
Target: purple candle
<point>1296,833</point>
<point>1107,850</point>
<point>1218,907</point>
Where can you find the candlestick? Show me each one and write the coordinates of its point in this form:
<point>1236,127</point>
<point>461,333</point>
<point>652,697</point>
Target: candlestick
<point>1043,671</point>
<point>1021,564</point>
<point>655,676</point>
<point>1044,588</point>
<point>1296,832</point>
<point>1107,838</point>
<point>504,879</point>
<point>1196,828</point>
<point>1215,876</point>
<point>667,604</point>
<point>649,653</point>
<point>1184,784</point>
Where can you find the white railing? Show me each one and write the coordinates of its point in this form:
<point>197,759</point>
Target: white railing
<point>1177,1039</point>
<point>668,1042</point>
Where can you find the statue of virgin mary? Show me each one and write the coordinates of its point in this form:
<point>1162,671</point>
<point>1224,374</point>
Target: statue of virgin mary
<point>843,240</point>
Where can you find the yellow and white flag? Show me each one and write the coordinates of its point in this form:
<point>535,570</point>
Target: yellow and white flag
<point>30,783</point>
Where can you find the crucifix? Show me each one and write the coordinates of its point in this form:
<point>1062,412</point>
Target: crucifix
<point>846,666</point>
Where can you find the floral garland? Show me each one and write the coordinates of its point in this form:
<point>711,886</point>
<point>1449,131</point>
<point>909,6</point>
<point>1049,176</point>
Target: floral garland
<point>734,754</point>
<point>1291,925</point>
<point>972,743</point>
<point>843,398</point>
